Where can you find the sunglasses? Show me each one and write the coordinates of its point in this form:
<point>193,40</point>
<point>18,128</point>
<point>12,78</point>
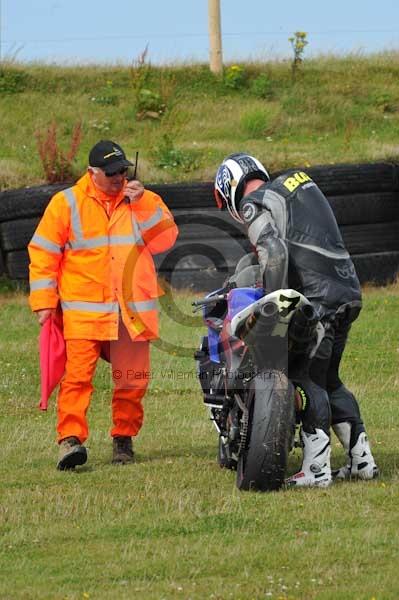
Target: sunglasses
<point>122,171</point>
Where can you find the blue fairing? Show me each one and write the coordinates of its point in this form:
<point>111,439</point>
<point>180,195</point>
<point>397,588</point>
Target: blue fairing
<point>213,344</point>
<point>240,298</point>
<point>213,335</point>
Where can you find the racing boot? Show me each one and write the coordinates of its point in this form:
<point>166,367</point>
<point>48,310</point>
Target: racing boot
<point>315,470</point>
<point>361,464</point>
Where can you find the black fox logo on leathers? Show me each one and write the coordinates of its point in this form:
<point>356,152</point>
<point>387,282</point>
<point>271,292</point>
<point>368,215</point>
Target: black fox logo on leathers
<point>346,272</point>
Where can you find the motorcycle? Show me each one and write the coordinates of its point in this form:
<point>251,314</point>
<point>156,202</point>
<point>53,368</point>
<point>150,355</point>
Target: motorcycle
<point>246,365</point>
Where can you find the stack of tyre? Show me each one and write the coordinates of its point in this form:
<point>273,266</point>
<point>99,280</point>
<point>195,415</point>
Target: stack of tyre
<point>365,201</point>
<point>20,212</point>
<point>364,198</point>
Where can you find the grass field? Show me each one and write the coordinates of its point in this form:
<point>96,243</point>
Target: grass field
<point>173,525</point>
<point>338,109</point>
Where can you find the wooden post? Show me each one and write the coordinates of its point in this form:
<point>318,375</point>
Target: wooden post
<point>215,37</point>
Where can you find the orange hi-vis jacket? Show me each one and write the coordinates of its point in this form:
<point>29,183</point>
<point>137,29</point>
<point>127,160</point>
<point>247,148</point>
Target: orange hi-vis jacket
<point>100,267</point>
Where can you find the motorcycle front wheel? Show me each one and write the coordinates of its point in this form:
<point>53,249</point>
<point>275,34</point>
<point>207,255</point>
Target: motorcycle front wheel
<point>271,427</point>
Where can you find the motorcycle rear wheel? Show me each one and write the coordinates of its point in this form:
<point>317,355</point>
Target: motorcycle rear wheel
<point>263,461</point>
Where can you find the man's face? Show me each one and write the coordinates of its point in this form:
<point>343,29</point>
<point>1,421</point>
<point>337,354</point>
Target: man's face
<point>109,184</point>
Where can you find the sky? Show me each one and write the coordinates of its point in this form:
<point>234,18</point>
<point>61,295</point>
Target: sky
<point>102,31</point>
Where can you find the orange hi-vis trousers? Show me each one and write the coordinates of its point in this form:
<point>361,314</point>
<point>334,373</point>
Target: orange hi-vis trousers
<point>130,370</point>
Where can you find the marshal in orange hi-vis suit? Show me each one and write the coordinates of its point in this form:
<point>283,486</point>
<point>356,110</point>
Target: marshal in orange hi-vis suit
<point>91,255</point>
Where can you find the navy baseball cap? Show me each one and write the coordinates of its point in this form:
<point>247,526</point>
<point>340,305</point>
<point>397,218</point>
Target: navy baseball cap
<point>109,157</point>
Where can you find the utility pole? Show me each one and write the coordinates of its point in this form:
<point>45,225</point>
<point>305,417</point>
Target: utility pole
<point>215,37</point>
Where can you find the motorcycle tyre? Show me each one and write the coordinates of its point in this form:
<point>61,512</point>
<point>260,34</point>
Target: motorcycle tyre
<point>225,462</point>
<point>262,465</point>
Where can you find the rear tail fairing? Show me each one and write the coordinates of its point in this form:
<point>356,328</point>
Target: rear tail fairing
<point>263,325</point>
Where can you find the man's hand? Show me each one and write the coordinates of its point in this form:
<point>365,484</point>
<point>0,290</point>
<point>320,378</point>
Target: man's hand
<point>44,314</point>
<point>134,190</point>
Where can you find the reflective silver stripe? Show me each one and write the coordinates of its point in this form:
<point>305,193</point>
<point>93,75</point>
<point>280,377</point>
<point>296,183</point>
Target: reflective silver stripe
<point>98,242</point>
<point>80,243</point>
<point>156,218</point>
<point>121,240</point>
<point>42,242</point>
<point>75,218</point>
<point>91,243</point>
<point>143,305</point>
<point>136,231</point>
<point>42,284</point>
<point>140,306</point>
<point>343,255</point>
<point>106,307</point>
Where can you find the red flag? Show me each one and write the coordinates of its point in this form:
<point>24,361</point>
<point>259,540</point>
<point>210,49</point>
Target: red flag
<point>52,357</point>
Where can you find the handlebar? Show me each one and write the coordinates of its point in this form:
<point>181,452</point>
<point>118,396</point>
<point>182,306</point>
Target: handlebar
<point>205,301</point>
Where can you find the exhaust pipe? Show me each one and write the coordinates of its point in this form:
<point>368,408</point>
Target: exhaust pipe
<point>269,310</point>
<point>302,328</point>
<point>264,318</point>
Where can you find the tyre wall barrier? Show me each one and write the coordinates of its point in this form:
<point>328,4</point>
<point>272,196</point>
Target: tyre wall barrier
<point>364,198</point>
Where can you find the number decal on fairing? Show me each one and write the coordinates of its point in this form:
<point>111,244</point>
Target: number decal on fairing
<point>287,304</point>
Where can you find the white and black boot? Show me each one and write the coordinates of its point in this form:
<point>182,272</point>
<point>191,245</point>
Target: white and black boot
<point>316,469</point>
<point>361,463</point>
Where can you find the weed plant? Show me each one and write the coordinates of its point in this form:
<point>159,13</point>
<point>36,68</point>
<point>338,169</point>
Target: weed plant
<point>57,164</point>
<point>167,156</point>
<point>255,123</point>
<point>262,87</point>
<point>13,80</point>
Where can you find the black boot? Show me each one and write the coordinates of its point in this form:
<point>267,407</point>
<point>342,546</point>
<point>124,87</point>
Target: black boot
<point>122,450</point>
<point>71,454</point>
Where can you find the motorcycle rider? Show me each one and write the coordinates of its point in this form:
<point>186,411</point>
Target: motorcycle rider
<point>294,233</point>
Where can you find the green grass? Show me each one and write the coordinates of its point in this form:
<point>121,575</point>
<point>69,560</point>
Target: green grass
<point>338,110</point>
<point>173,525</point>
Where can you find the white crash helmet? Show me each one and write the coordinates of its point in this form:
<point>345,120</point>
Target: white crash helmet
<point>232,175</point>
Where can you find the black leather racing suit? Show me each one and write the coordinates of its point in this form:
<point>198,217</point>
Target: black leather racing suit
<point>298,244</point>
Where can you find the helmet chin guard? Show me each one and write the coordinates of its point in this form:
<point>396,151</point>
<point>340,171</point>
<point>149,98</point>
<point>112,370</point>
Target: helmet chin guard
<point>234,172</point>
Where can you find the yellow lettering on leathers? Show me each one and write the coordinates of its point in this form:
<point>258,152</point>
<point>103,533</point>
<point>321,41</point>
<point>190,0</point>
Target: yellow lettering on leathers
<point>292,182</point>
